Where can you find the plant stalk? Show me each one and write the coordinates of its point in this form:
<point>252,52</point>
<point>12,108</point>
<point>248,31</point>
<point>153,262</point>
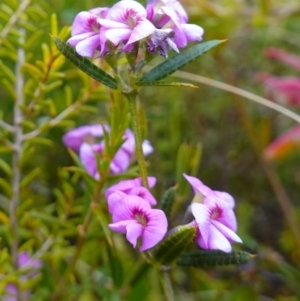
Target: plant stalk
<point>17,137</point>
<point>138,138</point>
<point>167,285</point>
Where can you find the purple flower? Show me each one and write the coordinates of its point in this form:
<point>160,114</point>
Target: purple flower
<point>213,212</point>
<point>84,140</point>
<point>135,217</point>
<point>169,14</point>
<point>88,156</point>
<point>129,187</point>
<point>126,23</point>
<point>87,133</point>
<point>86,34</point>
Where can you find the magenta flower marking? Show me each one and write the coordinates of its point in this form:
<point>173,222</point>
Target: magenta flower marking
<point>214,216</point>
<point>126,23</point>
<point>86,34</point>
<point>135,217</point>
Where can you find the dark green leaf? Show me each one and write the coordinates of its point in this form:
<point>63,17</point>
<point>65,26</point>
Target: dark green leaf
<point>167,201</point>
<point>176,62</point>
<point>211,258</point>
<point>84,64</point>
<point>166,84</point>
<point>174,245</point>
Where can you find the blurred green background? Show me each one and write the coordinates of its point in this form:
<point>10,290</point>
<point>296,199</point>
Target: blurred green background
<point>231,130</point>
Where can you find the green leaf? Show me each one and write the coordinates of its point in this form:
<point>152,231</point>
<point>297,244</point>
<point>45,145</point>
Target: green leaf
<point>174,244</point>
<point>168,201</point>
<point>84,64</point>
<point>30,177</point>
<point>6,187</point>
<point>5,167</point>
<point>166,84</point>
<point>178,61</point>
<point>211,258</point>
<point>116,266</point>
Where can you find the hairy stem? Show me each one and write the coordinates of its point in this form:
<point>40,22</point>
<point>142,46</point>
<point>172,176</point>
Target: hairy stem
<point>18,132</point>
<point>138,139</point>
<point>167,285</point>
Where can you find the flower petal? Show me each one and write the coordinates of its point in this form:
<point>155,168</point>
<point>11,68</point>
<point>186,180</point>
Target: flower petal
<point>128,207</point>
<point>134,231</point>
<point>228,233</point>
<point>84,22</point>
<point>88,46</point>
<point>202,216</point>
<point>192,32</point>
<point>88,159</point>
<point>226,198</point>
<point>218,241</point>
<point>126,185</point>
<point>144,193</point>
<point>114,198</point>
<point>198,186</point>
<point>119,226</point>
<point>118,35</point>
<point>155,230</point>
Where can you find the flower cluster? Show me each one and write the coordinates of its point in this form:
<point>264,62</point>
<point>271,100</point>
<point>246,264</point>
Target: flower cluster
<point>214,217</point>
<point>285,90</point>
<point>130,205</point>
<point>31,267</point>
<point>161,26</point>
<point>85,141</point>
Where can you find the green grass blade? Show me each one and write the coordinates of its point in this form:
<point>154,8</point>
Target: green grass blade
<point>84,64</point>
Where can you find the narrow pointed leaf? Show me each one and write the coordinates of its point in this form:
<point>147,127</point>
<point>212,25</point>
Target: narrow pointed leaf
<point>168,201</point>
<point>174,245</point>
<point>211,258</point>
<point>166,84</point>
<point>178,61</point>
<point>84,64</point>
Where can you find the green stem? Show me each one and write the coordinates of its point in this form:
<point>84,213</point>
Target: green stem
<point>167,285</point>
<point>137,136</point>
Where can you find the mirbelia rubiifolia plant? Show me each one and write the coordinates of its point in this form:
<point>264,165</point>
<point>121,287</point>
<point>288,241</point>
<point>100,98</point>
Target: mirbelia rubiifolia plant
<point>129,31</point>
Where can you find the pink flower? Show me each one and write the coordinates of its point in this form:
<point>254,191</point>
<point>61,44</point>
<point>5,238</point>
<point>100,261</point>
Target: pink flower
<point>172,31</point>
<point>129,187</point>
<point>86,34</point>
<point>126,23</point>
<point>88,154</point>
<point>84,139</point>
<point>135,217</point>
<point>281,55</point>
<point>284,144</point>
<point>284,90</point>
<point>214,216</point>
<point>87,133</point>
